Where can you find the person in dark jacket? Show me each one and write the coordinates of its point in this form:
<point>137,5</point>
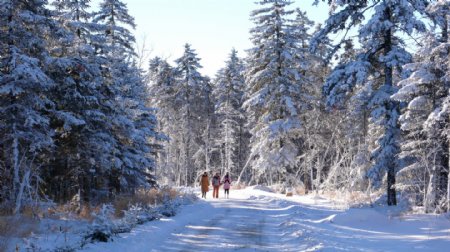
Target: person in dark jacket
<point>216,185</point>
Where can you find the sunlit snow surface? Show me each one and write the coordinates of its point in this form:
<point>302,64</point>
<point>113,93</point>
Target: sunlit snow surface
<point>258,220</point>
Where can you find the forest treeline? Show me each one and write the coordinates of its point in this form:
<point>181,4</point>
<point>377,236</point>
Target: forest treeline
<point>74,114</point>
<point>357,103</point>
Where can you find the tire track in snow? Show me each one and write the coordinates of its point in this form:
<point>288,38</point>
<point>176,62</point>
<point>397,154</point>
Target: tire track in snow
<point>237,225</point>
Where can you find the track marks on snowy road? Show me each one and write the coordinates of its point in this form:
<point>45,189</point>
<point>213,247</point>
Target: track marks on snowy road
<point>233,225</point>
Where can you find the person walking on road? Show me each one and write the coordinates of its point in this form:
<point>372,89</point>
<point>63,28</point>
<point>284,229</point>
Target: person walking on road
<point>226,185</point>
<point>204,183</point>
<point>216,185</point>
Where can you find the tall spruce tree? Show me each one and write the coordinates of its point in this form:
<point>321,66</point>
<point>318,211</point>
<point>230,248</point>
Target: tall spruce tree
<point>382,56</point>
<point>193,101</point>
<point>79,121</point>
<point>425,118</point>
<point>162,85</point>
<point>228,92</point>
<point>125,104</point>
<point>25,105</point>
<point>274,99</point>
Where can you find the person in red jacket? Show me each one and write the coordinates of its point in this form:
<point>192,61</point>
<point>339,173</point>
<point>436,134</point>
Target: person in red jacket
<point>216,184</point>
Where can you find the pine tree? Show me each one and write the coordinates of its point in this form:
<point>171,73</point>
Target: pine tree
<point>162,87</point>
<point>424,120</point>
<point>228,92</point>
<point>131,123</point>
<point>138,137</point>
<point>25,106</point>
<point>79,120</point>
<point>193,101</point>
<point>74,15</point>
<point>274,98</point>
<point>113,16</point>
<point>383,52</point>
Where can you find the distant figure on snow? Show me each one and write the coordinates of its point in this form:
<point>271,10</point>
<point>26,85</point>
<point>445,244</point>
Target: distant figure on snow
<point>204,183</point>
<point>226,185</point>
<point>216,185</point>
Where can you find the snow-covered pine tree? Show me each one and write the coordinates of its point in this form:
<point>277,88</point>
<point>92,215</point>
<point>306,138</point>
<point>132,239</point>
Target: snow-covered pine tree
<point>314,144</point>
<point>228,92</point>
<point>274,98</point>
<point>192,97</point>
<point>162,87</point>
<point>74,15</point>
<point>79,121</point>
<point>203,156</point>
<point>25,133</point>
<point>351,162</point>
<point>125,100</point>
<point>424,120</point>
<point>310,68</point>
<point>139,143</point>
<point>383,51</point>
<point>113,16</point>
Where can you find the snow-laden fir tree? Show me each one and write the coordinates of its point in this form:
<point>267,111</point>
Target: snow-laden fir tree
<point>274,97</point>
<point>131,123</point>
<point>75,15</point>
<point>351,147</point>
<point>80,123</point>
<point>425,119</point>
<point>228,92</point>
<point>383,54</point>
<point>114,17</point>
<point>25,107</point>
<point>162,87</point>
<point>192,98</point>
<point>138,141</point>
<point>314,145</point>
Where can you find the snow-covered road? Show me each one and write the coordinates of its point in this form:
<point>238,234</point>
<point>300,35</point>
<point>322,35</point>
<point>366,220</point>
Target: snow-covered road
<point>254,220</point>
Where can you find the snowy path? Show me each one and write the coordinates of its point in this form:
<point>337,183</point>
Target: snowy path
<point>232,224</point>
<point>259,221</point>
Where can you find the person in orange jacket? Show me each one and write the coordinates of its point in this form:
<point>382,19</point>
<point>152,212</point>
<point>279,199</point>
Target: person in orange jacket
<point>204,183</point>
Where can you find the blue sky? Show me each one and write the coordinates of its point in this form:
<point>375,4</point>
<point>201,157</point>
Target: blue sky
<point>213,27</point>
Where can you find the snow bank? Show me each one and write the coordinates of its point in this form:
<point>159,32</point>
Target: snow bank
<point>262,188</point>
<point>359,216</point>
<point>72,234</point>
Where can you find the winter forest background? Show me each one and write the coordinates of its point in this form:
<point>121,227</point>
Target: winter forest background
<point>81,113</point>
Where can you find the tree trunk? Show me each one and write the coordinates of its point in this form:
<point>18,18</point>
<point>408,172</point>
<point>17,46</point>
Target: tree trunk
<point>391,106</point>
<point>448,178</point>
<point>16,167</point>
<point>431,195</point>
<point>23,184</point>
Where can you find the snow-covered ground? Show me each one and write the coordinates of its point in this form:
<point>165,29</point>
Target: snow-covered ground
<point>258,220</point>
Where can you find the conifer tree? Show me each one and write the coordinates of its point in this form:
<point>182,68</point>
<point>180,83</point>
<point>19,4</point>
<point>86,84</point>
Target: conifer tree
<point>274,99</point>
<point>382,56</point>
<point>193,101</point>
<point>162,85</point>
<point>425,118</point>
<point>126,100</point>
<point>25,105</point>
<point>228,92</point>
